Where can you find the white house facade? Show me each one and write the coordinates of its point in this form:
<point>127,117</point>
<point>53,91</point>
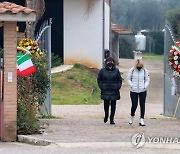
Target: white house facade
<point>86,34</point>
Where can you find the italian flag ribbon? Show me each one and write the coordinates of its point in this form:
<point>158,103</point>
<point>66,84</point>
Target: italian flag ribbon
<point>25,66</point>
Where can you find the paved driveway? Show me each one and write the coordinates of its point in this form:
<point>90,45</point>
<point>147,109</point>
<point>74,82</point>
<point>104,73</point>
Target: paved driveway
<point>84,123</point>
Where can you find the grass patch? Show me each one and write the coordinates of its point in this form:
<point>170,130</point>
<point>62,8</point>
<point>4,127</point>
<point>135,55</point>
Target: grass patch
<point>78,66</point>
<point>151,56</point>
<point>75,86</point>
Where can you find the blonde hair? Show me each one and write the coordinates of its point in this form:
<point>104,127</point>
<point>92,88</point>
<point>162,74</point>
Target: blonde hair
<point>138,63</point>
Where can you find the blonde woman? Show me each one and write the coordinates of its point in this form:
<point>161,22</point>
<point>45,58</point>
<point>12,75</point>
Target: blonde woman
<point>138,80</point>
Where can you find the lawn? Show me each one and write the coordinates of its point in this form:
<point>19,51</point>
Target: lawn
<point>75,86</point>
<point>151,56</point>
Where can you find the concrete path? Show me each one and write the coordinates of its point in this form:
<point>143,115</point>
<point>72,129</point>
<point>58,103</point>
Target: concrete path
<point>61,68</point>
<point>94,148</point>
<point>84,123</point>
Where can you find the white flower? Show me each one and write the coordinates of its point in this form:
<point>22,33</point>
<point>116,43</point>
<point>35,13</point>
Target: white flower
<point>174,73</point>
<point>177,73</point>
<point>175,53</point>
<point>170,63</point>
<point>29,47</point>
<point>175,57</point>
<point>176,62</point>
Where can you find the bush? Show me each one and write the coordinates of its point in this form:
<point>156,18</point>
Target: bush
<point>32,93</point>
<point>55,60</point>
<point>126,48</point>
<point>27,121</point>
<point>155,42</point>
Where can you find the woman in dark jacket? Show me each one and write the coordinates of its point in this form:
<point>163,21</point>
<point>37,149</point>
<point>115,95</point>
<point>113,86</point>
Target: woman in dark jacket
<point>109,81</point>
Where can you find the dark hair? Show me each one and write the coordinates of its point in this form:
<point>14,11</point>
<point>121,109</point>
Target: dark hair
<point>110,59</point>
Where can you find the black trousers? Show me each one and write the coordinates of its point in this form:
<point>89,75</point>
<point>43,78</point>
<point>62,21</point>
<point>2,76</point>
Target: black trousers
<point>134,99</point>
<point>106,108</point>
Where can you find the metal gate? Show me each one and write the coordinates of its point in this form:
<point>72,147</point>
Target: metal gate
<point>171,102</point>
<point>44,40</point>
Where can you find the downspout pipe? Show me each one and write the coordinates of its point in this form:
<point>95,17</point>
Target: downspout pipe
<point>110,34</point>
<point>103,31</point>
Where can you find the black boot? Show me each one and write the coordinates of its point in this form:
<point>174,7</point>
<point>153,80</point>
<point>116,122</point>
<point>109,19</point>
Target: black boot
<point>106,110</point>
<point>112,122</point>
<point>113,109</point>
<point>105,119</point>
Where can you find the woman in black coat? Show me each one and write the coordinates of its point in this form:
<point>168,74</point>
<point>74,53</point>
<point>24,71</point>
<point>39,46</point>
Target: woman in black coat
<point>109,81</point>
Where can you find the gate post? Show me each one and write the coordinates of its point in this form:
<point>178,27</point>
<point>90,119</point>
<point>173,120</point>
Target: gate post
<point>9,130</point>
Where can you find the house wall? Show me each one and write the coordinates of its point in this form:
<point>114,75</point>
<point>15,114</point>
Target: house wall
<point>83,33</point>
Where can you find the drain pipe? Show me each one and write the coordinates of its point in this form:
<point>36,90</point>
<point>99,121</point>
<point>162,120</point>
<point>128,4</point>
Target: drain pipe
<point>110,34</point>
<point>103,30</point>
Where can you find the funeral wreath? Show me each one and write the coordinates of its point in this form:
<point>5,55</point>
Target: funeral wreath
<point>174,59</point>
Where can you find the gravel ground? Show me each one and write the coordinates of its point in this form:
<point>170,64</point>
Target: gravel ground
<point>84,123</point>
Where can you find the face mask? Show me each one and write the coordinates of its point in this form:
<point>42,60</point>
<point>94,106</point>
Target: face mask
<point>139,68</point>
<point>110,64</point>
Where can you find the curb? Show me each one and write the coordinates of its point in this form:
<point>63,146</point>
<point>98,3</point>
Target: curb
<point>43,142</point>
<point>33,141</point>
<point>61,68</point>
<point>117,144</point>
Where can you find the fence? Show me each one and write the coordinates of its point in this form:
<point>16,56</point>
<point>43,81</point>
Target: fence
<point>44,40</point>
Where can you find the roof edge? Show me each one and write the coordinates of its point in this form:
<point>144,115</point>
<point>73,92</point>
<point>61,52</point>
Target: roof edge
<point>21,17</point>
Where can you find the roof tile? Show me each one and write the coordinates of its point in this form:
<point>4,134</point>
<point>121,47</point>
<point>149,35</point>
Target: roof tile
<point>2,10</point>
<point>2,5</point>
<point>120,30</point>
<point>14,8</point>
<point>27,10</point>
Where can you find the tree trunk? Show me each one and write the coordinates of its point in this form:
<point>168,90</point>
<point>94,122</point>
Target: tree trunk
<point>39,7</point>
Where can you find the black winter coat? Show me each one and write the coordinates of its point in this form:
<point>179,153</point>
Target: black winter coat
<point>109,81</point>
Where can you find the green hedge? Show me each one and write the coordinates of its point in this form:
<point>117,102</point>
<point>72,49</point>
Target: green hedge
<point>126,47</point>
<point>173,16</point>
<point>31,95</point>
<point>155,42</point>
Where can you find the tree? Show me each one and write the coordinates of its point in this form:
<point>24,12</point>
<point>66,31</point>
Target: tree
<point>132,21</point>
<point>39,7</point>
<point>119,11</point>
<point>142,14</point>
<point>173,16</point>
<point>89,5</point>
<point>150,15</point>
